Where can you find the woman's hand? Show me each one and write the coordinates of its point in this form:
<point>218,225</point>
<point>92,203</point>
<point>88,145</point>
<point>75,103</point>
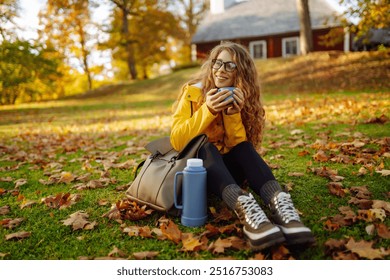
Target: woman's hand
<point>237,104</point>
<point>216,101</point>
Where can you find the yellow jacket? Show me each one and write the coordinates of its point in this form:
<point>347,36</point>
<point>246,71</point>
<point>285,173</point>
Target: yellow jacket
<point>191,119</point>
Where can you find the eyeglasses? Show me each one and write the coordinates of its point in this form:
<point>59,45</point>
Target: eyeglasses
<point>229,65</point>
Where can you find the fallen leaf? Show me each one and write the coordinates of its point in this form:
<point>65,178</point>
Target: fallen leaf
<point>190,243</point>
<point>296,174</point>
<point>296,131</point>
<point>145,232</point>
<point>383,172</point>
<point>370,229</point>
<point>361,192</point>
<point>145,255</point>
<point>116,253</point>
<point>378,214</point>
<point>380,204</point>
<point>131,230</point>
<point>127,210</point>
<point>78,220</point>
<point>11,223</point>
<point>361,203</point>
<point>66,177</point>
<point>364,249</point>
<point>239,243</point>
<point>383,231</point>
<point>281,253</point>
<point>223,214</point>
<point>332,245</point>
<point>336,188</point>
<point>18,235</point>
<point>330,226</point>
<point>6,179</point>
<point>4,210</point>
<point>19,183</point>
<point>344,255</point>
<point>219,246</point>
<point>171,231</point>
<point>362,171</point>
<point>321,156</point>
<point>27,204</point>
<point>381,120</point>
<point>258,256</point>
<point>61,200</point>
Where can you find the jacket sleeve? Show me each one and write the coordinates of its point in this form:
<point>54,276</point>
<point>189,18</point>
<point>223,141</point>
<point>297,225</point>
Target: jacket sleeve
<point>234,130</point>
<point>184,126</point>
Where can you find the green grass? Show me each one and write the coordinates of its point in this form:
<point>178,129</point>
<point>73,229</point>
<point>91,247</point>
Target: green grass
<point>81,135</point>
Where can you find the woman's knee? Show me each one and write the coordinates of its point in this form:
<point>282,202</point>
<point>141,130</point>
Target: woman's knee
<point>244,146</point>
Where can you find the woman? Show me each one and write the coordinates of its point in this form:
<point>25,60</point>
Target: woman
<point>234,127</point>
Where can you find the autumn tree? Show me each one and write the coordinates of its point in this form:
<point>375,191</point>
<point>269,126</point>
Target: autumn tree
<point>9,10</point>
<point>127,8</point>
<point>193,13</point>
<point>306,37</point>
<point>160,25</point>
<point>27,71</point>
<point>371,14</point>
<point>141,39</point>
<point>69,31</point>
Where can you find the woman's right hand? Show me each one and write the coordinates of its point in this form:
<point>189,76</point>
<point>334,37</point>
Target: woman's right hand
<point>215,100</point>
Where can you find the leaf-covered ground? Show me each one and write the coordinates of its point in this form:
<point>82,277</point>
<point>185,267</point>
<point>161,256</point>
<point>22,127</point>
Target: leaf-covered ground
<point>64,167</point>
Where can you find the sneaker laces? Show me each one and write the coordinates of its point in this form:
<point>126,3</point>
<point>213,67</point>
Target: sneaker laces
<point>286,207</point>
<point>254,215</point>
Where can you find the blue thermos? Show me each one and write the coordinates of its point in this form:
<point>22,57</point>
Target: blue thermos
<point>194,193</point>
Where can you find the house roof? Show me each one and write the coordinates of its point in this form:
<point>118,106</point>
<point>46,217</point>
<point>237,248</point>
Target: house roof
<point>255,18</point>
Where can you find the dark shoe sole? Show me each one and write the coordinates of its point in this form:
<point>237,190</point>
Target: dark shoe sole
<point>301,239</point>
<point>266,242</point>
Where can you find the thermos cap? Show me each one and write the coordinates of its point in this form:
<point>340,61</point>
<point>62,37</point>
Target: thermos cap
<point>194,162</point>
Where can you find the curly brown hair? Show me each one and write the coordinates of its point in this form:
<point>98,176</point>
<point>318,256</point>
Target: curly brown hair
<point>247,79</point>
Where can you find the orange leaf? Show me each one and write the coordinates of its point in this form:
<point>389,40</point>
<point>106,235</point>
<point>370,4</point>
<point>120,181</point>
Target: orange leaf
<point>66,177</point>
<point>281,253</point>
<point>171,231</point>
<point>364,249</point>
<point>218,246</point>
<point>336,188</point>
<point>190,243</point>
<point>331,226</point>
<point>383,231</point>
<point>11,223</point>
<point>321,156</point>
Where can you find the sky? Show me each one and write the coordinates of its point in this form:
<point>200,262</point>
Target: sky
<point>28,20</point>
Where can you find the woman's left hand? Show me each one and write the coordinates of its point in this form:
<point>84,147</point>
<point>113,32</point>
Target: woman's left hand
<point>237,104</point>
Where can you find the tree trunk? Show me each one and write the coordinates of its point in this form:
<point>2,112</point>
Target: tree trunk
<point>306,37</point>
<point>84,54</point>
<point>129,47</point>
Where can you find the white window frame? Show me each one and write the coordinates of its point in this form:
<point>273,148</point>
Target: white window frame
<point>263,44</point>
<point>284,46</point>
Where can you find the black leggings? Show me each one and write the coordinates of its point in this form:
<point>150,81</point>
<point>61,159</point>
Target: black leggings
<point>239,164</point>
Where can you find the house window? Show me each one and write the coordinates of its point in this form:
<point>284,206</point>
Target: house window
<point>290,46</point>
<point>258,49</point>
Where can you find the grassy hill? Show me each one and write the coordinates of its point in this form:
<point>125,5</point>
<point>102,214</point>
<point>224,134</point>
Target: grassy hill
<point>320,72</point>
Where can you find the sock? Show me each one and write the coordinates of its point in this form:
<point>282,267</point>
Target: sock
<point>268,191</point>
<point>230,195</point>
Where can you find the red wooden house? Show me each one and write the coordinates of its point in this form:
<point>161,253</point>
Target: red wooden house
<point>269,28</point>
